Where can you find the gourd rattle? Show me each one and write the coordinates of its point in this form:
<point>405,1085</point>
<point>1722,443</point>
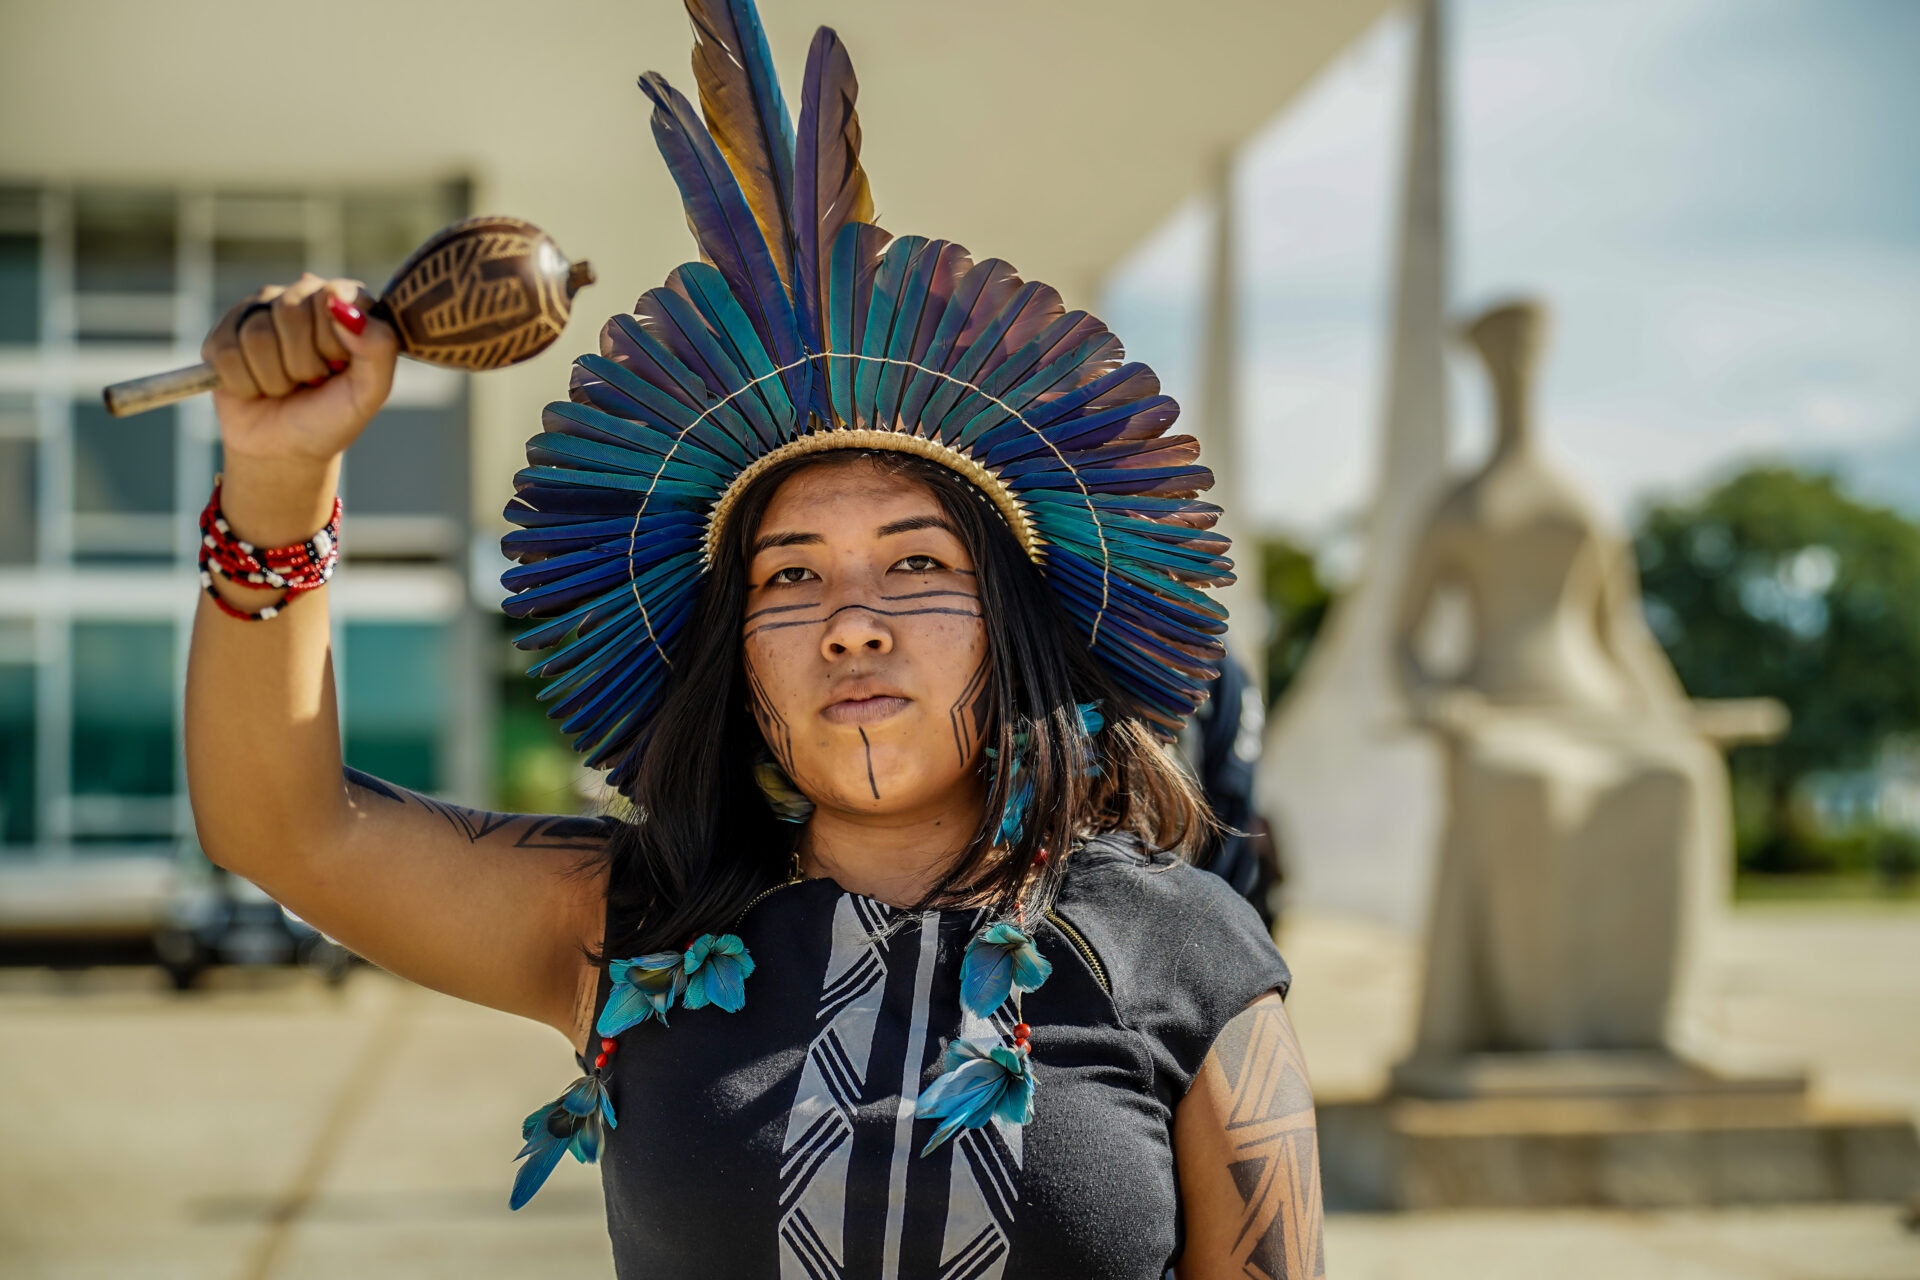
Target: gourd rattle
<point>481,294</point>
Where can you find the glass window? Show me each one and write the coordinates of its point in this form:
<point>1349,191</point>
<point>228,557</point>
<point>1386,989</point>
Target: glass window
<point>125,241</point>
<point>19,265</point>
<point>411,462</point>
<point>240,266</point>
<point>395,700</point>
<point>19,512</point>
<point>19,481</point>
<point>123,483</point>
<point>16,754</point>
<point>123,708</point>
<point>125,251</point>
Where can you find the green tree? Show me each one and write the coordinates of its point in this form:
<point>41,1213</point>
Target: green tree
<point>1777,583</point>
<point>1297,601</point>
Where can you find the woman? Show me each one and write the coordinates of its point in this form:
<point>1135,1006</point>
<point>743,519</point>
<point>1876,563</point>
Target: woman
<point>873,577</point>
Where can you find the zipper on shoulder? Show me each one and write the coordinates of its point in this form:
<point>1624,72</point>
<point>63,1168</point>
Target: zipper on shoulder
<point>1080,942</point>
<point>762,896</point>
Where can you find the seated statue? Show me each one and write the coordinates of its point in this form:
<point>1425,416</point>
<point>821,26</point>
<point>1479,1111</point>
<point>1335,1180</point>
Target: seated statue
<point>1587,806</point>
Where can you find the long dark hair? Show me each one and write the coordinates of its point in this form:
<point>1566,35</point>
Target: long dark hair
<point>704,842</point>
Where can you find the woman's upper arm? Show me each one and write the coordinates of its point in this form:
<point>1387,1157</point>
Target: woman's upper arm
<point>1247,1157</point>
<point>490,907</point>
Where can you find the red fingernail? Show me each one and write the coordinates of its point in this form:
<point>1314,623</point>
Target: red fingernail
<point>351,318</point>
<point>337,365</point>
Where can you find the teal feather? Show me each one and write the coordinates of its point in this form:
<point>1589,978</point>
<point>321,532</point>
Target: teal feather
<point>644,988</point>
<point>575,1121</point>
<point>717,968</point>
<point>976,1086</point>
<point>731,327</point>
<point>686,332</point>
<point>999,961</point>
<point>883,312</point>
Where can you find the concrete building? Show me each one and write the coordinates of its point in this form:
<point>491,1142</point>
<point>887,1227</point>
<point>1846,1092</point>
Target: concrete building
<point>159,161</point>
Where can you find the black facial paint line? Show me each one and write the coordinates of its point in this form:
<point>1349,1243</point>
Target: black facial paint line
<point>773,726</point>
<point>872,785</point>
<point>777,608</point>
<point>972,701</point>
<point>929,595</point>
<point>885,613</point>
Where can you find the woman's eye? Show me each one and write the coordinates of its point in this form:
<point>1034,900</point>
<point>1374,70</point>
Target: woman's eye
<point>918,564</point>
<point>789,576</point>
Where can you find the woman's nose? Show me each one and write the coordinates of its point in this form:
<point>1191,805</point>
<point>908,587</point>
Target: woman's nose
<point>853,628</point>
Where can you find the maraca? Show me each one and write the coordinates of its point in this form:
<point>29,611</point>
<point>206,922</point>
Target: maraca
<point>481,294</point>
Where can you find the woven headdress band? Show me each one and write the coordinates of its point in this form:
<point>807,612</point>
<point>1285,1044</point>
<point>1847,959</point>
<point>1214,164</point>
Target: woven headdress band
<point>805,329</point>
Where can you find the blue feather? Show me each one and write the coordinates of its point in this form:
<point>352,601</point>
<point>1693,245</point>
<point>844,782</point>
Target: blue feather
<point>725,226</point>
<point>829,185</point>
<point>643,987</point>
<point>747,116</point>
<point>717,968</point>
<point>976,1087</point>
<point>575,1121</point>
<point>997,963</point>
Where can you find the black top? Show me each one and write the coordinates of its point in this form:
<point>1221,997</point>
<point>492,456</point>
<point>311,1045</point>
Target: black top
<point>781,1140</point>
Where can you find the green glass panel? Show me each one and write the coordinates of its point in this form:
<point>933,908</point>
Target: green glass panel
<point>19,288</point>
<point>124,696</point>
<point>122,466</point>
<point>16,755</point>
<point>395,700</point>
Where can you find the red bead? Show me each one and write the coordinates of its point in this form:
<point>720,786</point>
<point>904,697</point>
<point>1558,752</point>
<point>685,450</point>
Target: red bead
<point>600,1060</point>
<point>1040,856</point>
<point>1021,1031</point>
<point>608,1046</point>
<point>1023,1046</point>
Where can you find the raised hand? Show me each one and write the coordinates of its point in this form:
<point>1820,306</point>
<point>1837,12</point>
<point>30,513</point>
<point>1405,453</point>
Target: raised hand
<point>297,381</point>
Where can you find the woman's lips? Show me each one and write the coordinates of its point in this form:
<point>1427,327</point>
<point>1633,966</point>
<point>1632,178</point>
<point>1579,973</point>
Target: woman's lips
<point>864,710</point>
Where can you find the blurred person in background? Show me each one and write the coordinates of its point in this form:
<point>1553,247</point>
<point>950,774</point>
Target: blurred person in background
<point>1221,747</point>
<point>901,926</point>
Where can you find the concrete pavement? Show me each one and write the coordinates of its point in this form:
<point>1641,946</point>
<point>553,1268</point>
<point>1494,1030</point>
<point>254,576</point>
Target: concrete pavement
<point>272,1129</point>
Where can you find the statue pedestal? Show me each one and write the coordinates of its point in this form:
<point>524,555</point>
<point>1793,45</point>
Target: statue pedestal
<point>1620,1129</point>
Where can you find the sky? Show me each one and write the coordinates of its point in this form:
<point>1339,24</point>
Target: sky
<point>1719,200</point>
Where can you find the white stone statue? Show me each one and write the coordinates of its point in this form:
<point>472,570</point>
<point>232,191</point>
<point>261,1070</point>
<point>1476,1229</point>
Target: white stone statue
<point>1587,827</point>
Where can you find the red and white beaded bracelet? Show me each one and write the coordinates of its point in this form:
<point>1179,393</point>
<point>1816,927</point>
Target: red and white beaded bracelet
<point>296,568</point>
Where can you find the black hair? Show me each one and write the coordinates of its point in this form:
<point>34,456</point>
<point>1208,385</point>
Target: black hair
<point>703,841</point>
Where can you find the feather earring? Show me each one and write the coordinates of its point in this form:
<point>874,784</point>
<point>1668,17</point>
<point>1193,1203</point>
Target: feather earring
<point>1013,815</point>
<point>788,802</point>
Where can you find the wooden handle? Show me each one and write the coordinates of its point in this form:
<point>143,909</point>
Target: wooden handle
<point>137,395</point>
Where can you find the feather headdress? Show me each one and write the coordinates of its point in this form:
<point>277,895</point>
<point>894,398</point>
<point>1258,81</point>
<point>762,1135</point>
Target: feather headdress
<point>806,327</point>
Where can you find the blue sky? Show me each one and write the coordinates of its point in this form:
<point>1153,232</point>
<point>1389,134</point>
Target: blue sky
<point>1720,199</point>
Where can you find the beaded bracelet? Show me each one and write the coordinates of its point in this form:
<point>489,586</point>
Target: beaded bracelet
<point>299,567</point>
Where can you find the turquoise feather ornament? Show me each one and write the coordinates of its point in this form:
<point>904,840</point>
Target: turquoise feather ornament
<point>576,1121</point>
<point>805,320</point>
<point>997,963</point>
<point>717,968</point>
<point>1013,815</point>
<point>644,987</point>
<point>977,1086</point>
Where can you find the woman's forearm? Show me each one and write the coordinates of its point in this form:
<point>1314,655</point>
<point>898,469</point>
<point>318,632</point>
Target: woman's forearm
<point>262,733</point>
